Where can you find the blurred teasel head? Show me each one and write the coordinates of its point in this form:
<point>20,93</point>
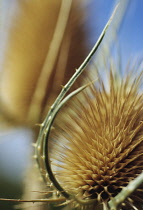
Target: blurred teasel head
<point>39,57</point>
<point>96,142</point>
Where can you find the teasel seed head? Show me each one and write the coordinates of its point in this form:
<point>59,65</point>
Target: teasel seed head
<point>97,143</point>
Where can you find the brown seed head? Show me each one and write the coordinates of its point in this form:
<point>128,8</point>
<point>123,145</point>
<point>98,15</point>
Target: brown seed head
<point>97,145</point>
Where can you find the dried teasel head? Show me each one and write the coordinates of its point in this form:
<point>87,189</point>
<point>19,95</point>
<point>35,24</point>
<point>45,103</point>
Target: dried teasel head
<point>97,141</point>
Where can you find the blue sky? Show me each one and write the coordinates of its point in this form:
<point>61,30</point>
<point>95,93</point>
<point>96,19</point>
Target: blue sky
<point>130,35</point>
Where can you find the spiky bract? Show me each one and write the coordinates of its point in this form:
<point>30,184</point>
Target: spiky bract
<point>97,143</point>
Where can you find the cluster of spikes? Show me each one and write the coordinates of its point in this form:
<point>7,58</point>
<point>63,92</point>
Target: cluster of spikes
<point>97,141</point>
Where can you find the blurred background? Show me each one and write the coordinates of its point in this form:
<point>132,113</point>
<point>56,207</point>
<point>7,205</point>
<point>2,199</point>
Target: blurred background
<point>15,141</point>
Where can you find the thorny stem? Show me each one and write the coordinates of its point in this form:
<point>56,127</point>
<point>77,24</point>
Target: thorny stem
<point>35,200</point>
<point>41,152</point>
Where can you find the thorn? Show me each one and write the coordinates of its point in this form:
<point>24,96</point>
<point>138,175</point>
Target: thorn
<point>62,86</point>
<point>34,145</point>
<point>35,156</point>
<point>39,124</point>
<point>57,193</point>
<point>51,185</point>
<point>39,148</point>
<point>45,131</point>
<point>43,157</point>
<point>51,107</point>
<point>49,117</point>
<point>52,128</point>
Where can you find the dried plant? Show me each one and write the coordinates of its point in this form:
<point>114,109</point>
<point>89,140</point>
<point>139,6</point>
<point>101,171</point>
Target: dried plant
<point>91,156</point>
